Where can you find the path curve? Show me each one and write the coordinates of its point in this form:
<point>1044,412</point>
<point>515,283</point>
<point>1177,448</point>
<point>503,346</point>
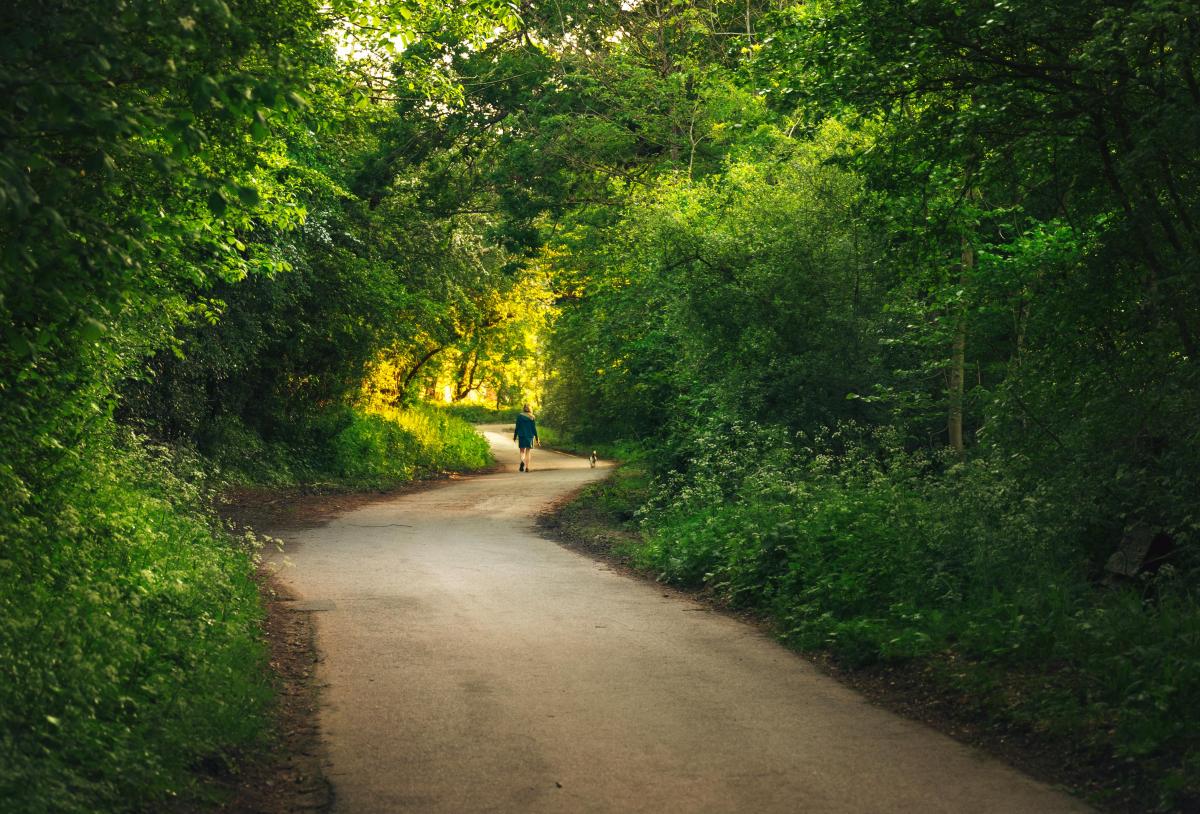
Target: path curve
<point>471,666</point>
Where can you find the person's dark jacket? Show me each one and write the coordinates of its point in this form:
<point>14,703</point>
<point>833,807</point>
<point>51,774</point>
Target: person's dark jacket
<point>526,430</point>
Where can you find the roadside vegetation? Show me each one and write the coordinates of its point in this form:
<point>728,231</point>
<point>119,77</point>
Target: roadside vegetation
<point>352,448</point>
<point>476,413</point>
<point>131,644</point>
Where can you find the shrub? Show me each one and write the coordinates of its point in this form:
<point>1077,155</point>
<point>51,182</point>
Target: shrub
<point>130,648</point>
<point>348,448</point>
<point>394,445</point>
<point>480,413</point>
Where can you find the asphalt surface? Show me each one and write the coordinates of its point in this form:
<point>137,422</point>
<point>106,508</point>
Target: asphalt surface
<point>470,665</point>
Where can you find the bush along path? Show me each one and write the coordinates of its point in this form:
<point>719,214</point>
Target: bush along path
<point>131,648</point>
<point>963,670</point>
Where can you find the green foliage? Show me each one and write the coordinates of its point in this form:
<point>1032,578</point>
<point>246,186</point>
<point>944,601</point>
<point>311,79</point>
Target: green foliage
<point>351,448</point>
<point>759,287</point>
<point>479,413</point>
<point>401,445</point>
<point>183,253</point>
<point>131,643</point>
<point>709,232</point>
<point>138,158</point>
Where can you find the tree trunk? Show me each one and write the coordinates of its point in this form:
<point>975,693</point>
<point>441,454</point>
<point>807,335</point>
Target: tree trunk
<point>412,374</point>
<point>958,358</point>
<point>466,377</point>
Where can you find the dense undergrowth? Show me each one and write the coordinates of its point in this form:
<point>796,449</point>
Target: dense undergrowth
<point>850,545</point>
<point>480,413</point>
<point>349,448</point>
<point>389,444</point>
<point>131,639</point>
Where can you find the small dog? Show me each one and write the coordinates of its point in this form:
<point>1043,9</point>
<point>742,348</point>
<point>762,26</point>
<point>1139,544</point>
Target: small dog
<point>592,459</point>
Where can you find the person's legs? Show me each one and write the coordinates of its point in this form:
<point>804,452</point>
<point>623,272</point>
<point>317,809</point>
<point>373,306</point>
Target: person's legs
<point>528,456</point>
<point>524,458</point>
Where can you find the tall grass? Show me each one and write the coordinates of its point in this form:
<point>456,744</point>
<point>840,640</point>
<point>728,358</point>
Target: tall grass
<point>349,448</point>
<point>389,445</point>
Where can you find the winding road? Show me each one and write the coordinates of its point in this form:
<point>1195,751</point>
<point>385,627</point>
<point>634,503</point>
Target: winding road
<point>470,665</point>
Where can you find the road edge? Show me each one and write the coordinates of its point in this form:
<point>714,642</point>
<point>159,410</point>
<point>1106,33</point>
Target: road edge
<point>903,690</point>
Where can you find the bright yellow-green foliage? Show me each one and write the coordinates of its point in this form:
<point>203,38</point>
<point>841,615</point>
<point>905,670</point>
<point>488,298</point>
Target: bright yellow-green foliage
<point>389,445</point>
<point>495,357</point>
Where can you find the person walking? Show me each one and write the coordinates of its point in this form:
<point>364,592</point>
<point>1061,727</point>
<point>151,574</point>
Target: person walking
<point>525,435</point>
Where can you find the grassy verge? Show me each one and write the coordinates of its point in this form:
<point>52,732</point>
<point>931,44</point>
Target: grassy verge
<point>614,451</point>
<point>130,652</point>
<point>349,449</point>
<point>941,587</point>
<point>601,519</point>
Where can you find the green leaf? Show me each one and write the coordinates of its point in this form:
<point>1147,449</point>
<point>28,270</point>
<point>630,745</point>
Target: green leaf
<point>92,330</point>
<point>101,162</point>
<point>248,195</point>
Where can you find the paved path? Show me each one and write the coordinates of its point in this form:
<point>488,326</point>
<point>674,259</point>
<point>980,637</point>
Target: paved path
<point>472,666</point>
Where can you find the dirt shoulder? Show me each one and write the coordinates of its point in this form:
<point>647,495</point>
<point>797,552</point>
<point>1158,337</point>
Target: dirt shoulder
<point>285,774</point>
<point>281,509</point>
